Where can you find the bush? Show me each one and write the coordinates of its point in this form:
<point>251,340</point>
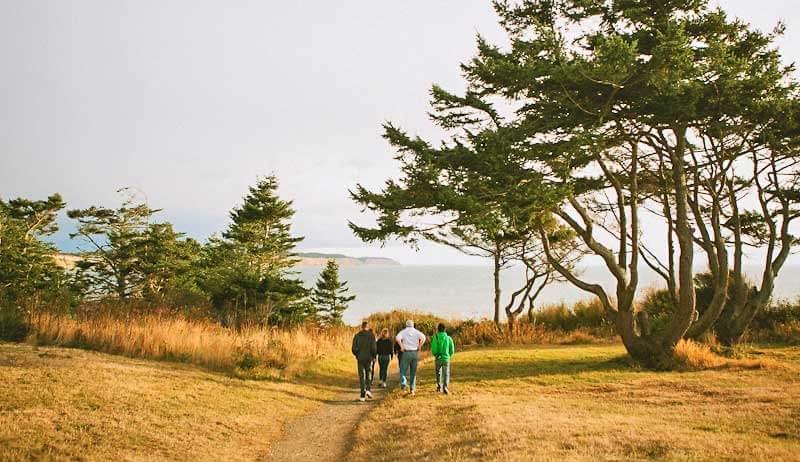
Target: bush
<point>658,305</point>
<point>782,312</point>
<point>395,321</point>
<point>584,314</point>
<point>12,324</point>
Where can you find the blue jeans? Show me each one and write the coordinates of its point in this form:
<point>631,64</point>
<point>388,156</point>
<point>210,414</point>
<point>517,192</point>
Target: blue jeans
<point>408,363</point>
<point>443,373</point>
<point>383,362</point>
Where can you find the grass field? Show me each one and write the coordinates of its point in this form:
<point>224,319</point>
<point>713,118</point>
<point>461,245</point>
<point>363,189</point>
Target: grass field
<point>70,404</point>
<point>587,403</point>
<point>578,402</point>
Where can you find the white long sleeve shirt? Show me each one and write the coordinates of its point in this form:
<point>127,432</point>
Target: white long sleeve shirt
<point>410,339</point>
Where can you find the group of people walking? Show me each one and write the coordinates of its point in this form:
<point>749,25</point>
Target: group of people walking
<point>406,345</point>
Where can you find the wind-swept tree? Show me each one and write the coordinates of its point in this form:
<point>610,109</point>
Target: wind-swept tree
<point>611,97</point>
<point>465,194</point>
<point>128,256</point>
<point>609,100</point>
<point>331,296</point>
<point>109,263</point>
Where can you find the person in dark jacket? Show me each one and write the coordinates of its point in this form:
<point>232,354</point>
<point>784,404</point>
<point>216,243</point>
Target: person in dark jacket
<point>385,353</point>
<point>364,349</point>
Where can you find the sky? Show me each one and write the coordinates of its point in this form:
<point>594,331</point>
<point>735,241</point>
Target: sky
<point>189,102</point>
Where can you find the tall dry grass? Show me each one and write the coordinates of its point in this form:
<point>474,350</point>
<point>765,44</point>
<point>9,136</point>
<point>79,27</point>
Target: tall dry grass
<point>694,356</point>
<point>523,333</point>
<point>268,351</point>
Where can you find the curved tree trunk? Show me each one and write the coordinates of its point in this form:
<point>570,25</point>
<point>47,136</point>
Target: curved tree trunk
<point>497,290</point>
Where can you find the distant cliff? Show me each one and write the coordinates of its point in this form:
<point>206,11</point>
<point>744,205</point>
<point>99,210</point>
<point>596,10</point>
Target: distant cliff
<point>319,259</point>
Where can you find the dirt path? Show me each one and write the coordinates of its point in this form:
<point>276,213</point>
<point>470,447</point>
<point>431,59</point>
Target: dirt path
<point>326,434</point>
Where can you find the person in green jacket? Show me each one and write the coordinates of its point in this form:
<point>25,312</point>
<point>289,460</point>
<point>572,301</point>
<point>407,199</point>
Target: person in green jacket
<point>442,348</point>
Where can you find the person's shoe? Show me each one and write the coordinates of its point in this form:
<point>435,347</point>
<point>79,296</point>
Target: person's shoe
<point>383,384</point>
<point>438,388</point>
<point>446,391</point>
<point>362,399</point>
<point>413,392</point>
<point>403,387</point>
<point>369,394</point>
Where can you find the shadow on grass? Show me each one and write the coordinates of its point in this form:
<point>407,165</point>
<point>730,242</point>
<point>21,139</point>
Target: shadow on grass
<point>489,369</point>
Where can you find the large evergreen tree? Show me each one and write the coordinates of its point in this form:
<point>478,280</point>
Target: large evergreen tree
<point>261,228</point>
<point>248,271</point>
<point>331,296</point>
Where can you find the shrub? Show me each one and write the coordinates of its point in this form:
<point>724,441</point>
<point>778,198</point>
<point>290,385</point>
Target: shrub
<point>584,314</point>
<point>782,312</point>
<point>12,323</point>
<point>395,321</point>
<point>692,356</point>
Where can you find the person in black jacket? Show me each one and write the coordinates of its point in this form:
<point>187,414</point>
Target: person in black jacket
<point>364,349</point>
<point>385,354</point>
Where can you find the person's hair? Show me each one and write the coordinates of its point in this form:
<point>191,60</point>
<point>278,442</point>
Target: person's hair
<point>364,324</point>
<point>385,331</point>
<point>441,327</point>
<point>409,323</point>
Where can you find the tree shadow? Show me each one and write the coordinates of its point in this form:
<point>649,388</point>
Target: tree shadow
<point>490,369</point>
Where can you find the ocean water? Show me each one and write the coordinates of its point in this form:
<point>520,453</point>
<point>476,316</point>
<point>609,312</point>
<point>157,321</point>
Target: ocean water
<point>466,291</point>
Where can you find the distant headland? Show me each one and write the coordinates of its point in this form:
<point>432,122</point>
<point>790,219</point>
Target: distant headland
<point>307,259</point>
<point>319,259</point>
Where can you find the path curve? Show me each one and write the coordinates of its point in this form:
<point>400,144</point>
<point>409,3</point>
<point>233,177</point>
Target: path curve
<point>327,433</point>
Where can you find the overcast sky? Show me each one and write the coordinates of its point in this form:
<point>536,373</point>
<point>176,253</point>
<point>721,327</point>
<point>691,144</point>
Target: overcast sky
<point>191,101</point>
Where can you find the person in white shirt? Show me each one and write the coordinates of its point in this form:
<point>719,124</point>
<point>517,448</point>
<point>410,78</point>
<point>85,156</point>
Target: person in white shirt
<point>410,341</point>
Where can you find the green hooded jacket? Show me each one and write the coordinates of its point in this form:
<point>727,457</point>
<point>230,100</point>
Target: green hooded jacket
<point>442,346</point>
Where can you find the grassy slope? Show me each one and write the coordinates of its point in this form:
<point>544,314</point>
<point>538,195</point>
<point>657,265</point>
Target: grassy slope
<point>586,403</point>
<point>61,403</point>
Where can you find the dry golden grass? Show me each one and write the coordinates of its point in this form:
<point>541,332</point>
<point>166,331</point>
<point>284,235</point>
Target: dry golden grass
<point>248,352</point>
<point>524,333</point>
<point>693,356</point>
<point>69,404</point>
<point>588,403</point>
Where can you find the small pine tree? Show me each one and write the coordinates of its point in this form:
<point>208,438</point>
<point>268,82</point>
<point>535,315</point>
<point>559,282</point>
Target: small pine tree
<point>331,296</point>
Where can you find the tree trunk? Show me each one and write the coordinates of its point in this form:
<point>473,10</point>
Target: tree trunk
<point>497,288</point>
<point>512,322</point>
<point>648,351</point>
<point>685,311</point>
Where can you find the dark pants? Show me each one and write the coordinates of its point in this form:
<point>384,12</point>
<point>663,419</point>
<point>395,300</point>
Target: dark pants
<point>383,362</point>
<point>371,372</point>
<point>364,369</point>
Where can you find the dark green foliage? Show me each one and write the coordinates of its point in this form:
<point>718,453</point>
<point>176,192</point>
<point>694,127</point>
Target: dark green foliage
<point>474,192</point>
<point>30,280</point>
<point>13,327</point>
<point>130,257</point>
<point>776,313</point>
<point>581,315</point>
<point>247,273</point>
<point>331,296</point>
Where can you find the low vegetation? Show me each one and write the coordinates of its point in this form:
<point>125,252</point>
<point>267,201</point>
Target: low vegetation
<point>249,352</point>
<point>588,402</point>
